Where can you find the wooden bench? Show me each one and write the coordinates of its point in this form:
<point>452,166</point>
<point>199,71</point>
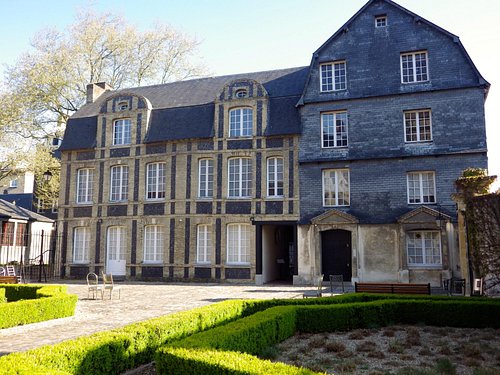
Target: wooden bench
<point>392,288</point>
<point>8,279</point>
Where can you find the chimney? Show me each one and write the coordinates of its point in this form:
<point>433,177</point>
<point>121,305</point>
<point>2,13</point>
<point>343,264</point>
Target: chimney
<point>95,90</point>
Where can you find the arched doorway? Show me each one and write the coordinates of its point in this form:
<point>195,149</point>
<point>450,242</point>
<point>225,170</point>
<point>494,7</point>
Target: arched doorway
<point>336,255</point>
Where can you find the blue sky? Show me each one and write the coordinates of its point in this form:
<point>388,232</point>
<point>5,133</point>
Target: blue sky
<point>242,36</point>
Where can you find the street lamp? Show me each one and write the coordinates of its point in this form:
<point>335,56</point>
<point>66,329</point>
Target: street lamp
<point>47,175</point>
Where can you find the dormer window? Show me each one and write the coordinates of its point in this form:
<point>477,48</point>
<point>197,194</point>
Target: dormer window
<point>381,21</point>
<point>122,106</point>
<point>121,132</point>
<point>240,122</point>
<point>241,93</point>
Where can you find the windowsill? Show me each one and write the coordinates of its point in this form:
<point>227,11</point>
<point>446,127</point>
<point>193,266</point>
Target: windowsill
<point>415,83</point>
<point>332,91</point>
<point>241,137</point>
<point>84,203</point>
<point>335,147</point>
<point>425,266</point>
<point>240,198</point>
<point>242,265</point>
<point>118,202</point>
<point>203,264</point>
<point>419,142</point>
<point>86,263</point>
<point>122,145</point>
<point>154,200</point>
<point>157,263</point>
<point>336,206</point>
<point>276,197</point>
<point>206,199</point>
<point>421,204</point>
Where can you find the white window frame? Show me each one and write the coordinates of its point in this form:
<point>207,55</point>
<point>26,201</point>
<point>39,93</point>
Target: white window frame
<point>118,187</point>
<point>418,189</point>
<point>416,75</point>
<point>380,21</point>
<point>84,185</point>
<point>238,244</point>
<point>122,130</point>
<point>275,177</point>
<point>204,245</point>
<point>419,118</point>
<point>338,193</point>
<point>153,244</point>
<point>155,181</point>
<point>424,244</point>
<point>333,76</point>
<point>338,128</point>
<point>81,245</point>
<point>13,183</point>
<point>205,178</point>
<point>239,181</point>
<point>240,122</point>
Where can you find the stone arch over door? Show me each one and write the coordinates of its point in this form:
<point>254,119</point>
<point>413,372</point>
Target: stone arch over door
<point>336,253</point>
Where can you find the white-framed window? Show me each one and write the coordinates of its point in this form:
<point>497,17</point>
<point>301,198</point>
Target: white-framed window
<point>418,126</point>
<point>381,21</point>
<point>423,248</point>
<point>414,67</point>
<point>334,129</point>
<point>240,122</point>
<point>238,243</point>
<point>421,187</point>
<point>241,93</point>
<point>123,106</point>
<point>155,181</point>
<point>205,178</point>
<point>333,76</point>
<point>204,243</point>
<point>275,177</point>
<point>121,132</point>
<point>153,244</point>
<point>239,177</point>
<point>119,183</point>
<point>13,183</point>
<point>84,185</point>
<point>81,245</point>
<point>116,243</point>
<point>336,187</point>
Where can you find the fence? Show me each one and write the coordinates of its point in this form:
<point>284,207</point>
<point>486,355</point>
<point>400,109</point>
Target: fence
<point>34,255</point>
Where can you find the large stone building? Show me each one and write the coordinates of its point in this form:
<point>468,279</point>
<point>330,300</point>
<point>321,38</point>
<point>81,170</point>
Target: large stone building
<point>342,167</point>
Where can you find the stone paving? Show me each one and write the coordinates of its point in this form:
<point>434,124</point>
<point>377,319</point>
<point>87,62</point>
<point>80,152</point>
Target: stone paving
<point>139,301</point>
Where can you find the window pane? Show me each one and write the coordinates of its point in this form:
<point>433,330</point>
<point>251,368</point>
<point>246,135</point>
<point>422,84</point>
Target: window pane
<point>340,76</point>
<point>336,187</point>
<point>206,178</point>
<point>239,177</point>
<point>81,242</point>
<point>153,243</point>
<point>423,248</point>
<point>326,77</point>
<point>204,248</point>
<point>119,183</point>
<point>238,243</point>
<point>85,180</point>
<point>121,132</point>
<point>155,181</point>
<point>240,122</point>
<point>275,177</point>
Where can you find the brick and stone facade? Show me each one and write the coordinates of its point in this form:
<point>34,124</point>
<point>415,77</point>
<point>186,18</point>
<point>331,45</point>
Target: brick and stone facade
<point>261,138</point>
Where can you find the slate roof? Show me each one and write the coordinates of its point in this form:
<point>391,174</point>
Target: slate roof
<point>24,200</point>
<point>12,211</point>
<point>185,109</point>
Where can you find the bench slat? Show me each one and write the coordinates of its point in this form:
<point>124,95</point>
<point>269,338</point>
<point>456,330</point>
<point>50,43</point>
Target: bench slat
<point>395,288</point>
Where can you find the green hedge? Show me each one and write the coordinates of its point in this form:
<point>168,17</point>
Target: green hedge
<point>125,348</point>
<point>118,350</point>
<point>206,362</point>
<point>255,333</point>
<point>35,303</point>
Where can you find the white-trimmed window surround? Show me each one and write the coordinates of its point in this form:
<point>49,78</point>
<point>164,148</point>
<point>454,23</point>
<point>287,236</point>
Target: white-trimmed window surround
<point>204,244</point>
<point>84,185</point>
<point>423,248</point>
<point>238,243</point>
<point>155,181</point>
<point>275,177</point>
<point>13,183</point>
<point>421,187</point>
<point>418,126</point>
<point>333,76</point>
<point>239,177</point>
<point>380,21</point>
<point>205,178</point>
<point>334,129</point>
<point>240,122</point>
<point>414,67</point>
<point>121,132</point>
<point>153,244</point>
<point>336,187</point>
<point>81,245</point>
<point>119,183</point>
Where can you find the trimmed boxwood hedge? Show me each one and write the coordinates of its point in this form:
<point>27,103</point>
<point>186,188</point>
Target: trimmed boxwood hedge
<point>254,334</point>
<point>116,351</point>
<point>35,303</point>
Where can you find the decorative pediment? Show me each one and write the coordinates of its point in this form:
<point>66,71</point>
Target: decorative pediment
<point>334,217</point>
<point>423,214</point>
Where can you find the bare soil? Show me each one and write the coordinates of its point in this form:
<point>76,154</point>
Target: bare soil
<point>404,350</point>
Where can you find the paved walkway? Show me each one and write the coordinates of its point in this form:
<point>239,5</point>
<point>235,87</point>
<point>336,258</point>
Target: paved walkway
<point>139,301</point>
